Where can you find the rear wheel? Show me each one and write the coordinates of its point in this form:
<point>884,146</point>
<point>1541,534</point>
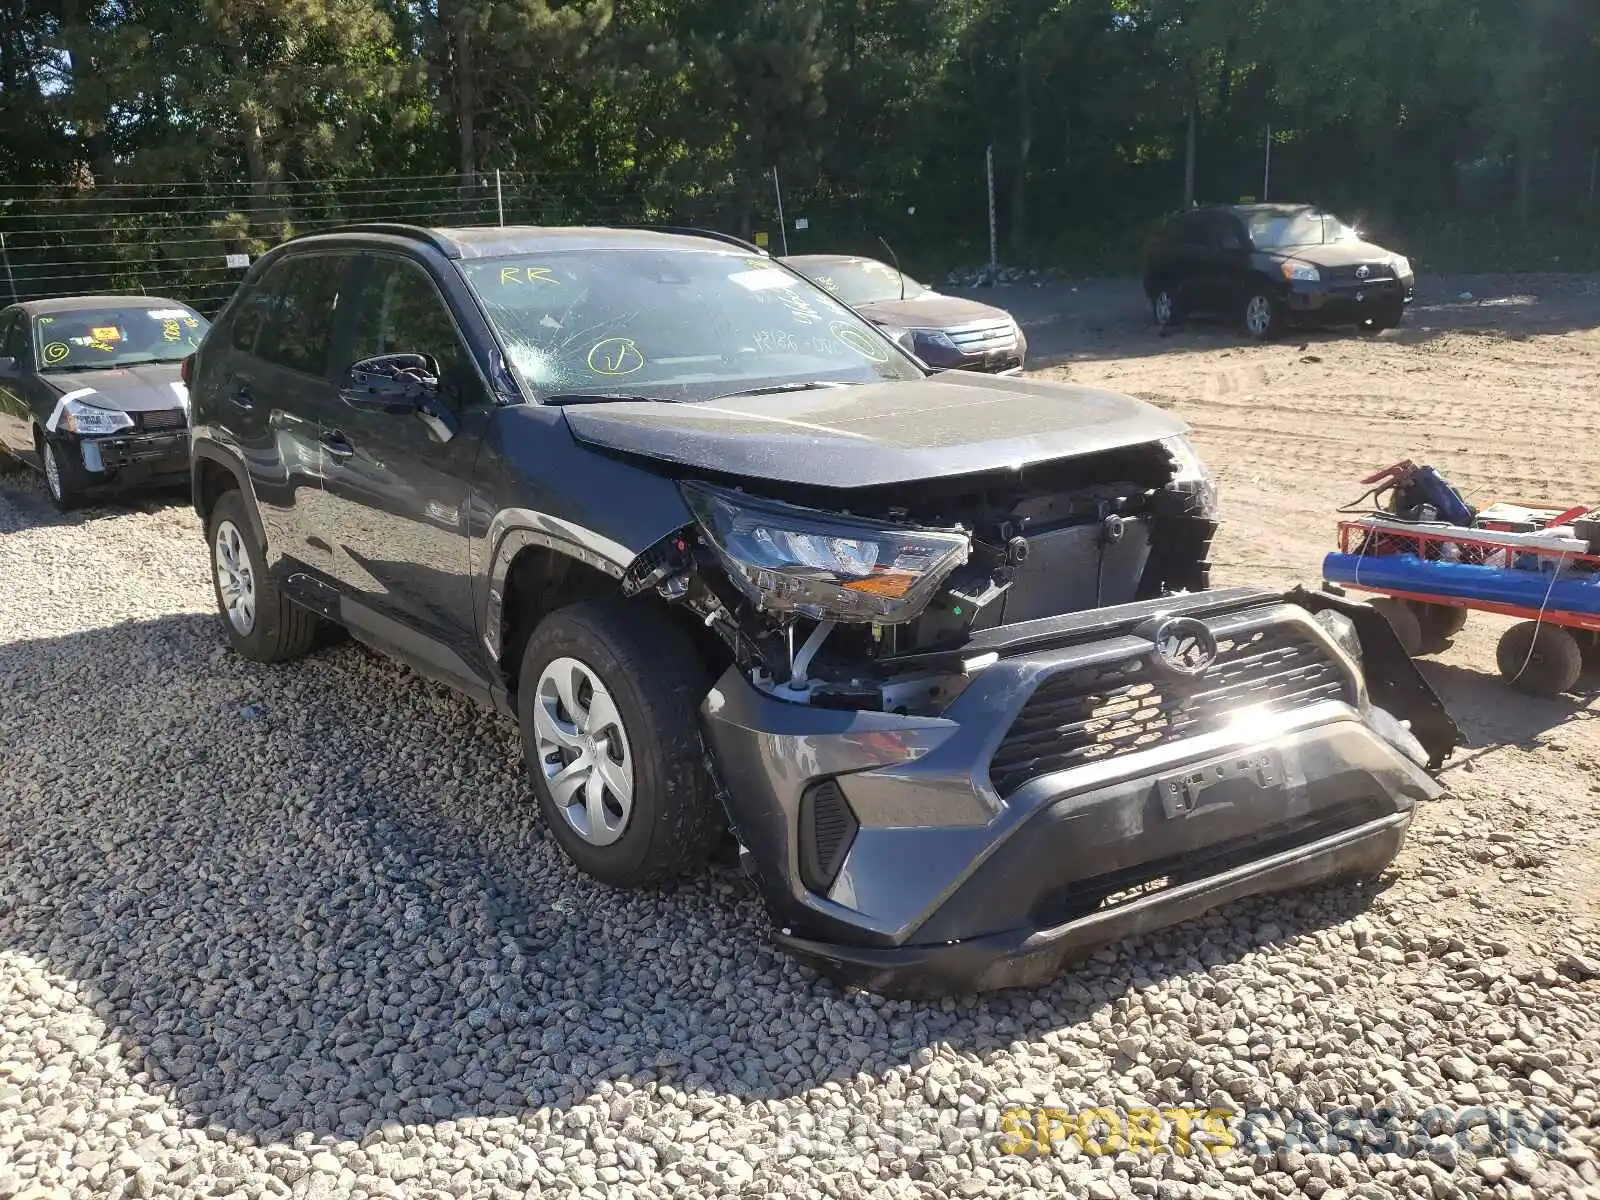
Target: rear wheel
<point>1541,660</point>
<point>607,698</point>
<point>261,622</point>
<point>1164,307</point>
<point>1403,620</point>
<point>1261,317</point>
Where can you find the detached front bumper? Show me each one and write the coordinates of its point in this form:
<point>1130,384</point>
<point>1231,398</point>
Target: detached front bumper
<point>1068,797</point>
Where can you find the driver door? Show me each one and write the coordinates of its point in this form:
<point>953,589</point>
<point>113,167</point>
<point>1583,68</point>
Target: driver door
<point>397,484</point>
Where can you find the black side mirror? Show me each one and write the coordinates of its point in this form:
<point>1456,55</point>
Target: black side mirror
<point>391,383</point>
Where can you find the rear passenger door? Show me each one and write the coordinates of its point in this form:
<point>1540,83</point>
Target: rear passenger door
<point>276,386</point>
<point>398,483</point>
<point>1192,254</point>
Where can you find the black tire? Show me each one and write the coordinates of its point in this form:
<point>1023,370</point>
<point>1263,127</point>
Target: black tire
<point>1438,623</point>
<point>656,681</point>
<point>1539,660</point>
<point>280,629</point>
<point>1260,316</point>
<point>64,477</point>
<point>1403,620</point>
<point>1166,310</point>
<point>1389,317</point>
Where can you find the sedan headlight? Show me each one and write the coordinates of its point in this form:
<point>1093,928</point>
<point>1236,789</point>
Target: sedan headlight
<point>800,560</point>
<point>1302,271</point>
<point>1192,475</point>
<point>935,337</point>
<point>1401,265</point>
<point>78,417</point>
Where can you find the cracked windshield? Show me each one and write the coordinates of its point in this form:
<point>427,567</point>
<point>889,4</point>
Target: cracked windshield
<point>677,325</point>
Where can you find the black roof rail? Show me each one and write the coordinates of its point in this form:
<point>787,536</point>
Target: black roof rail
<point>715,235</point>
<point>416,233</point>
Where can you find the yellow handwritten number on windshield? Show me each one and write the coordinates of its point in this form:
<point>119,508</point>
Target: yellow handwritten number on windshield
<point>170,331</point>
<point>615,356</point>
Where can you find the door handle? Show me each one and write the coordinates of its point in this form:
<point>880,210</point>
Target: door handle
<point>336,444</point>
<point>240,397</point>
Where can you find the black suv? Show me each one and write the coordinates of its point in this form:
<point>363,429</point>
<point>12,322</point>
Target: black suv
<point>933,650</point>
<point>1271,264</point>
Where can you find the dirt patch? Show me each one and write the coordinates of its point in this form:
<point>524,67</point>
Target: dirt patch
<point>1500,392</point>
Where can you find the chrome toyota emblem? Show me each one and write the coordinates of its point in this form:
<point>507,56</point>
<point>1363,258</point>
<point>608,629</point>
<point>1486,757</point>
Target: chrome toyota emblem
<point>1363,271</point>
<point>1184,646</point>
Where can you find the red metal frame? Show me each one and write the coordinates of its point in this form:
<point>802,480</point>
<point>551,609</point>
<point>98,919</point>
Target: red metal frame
<point>1428,547</point>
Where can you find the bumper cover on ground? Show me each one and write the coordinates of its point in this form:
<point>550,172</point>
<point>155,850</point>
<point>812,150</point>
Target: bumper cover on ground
<point>949,884</point>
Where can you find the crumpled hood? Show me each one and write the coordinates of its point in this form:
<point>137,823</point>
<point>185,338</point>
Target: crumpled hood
<point>143,387</point>
<point>1337,254</point>
<point>954,423</point>
<point>931,311</point>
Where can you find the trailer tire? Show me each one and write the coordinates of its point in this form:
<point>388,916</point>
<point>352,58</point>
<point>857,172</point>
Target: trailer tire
<point>1439,623</point>
<point>1539,660</point>
<point>1403,620</point>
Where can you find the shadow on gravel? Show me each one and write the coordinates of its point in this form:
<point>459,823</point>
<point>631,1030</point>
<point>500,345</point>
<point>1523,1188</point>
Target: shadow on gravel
<point>312,898</point>
<point>1490,713</point>
<point>24,504</point>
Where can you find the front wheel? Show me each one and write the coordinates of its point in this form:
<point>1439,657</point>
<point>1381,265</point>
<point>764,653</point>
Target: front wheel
<point>63,476</point>
<point>1261,317</point>
<point>1386,318</point>
<point>607,698</point>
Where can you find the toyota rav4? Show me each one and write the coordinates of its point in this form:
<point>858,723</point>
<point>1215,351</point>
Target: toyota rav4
<point>936,653</point>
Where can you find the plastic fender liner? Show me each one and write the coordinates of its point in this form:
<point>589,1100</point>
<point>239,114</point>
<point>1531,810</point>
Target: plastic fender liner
<point>1393,681</point>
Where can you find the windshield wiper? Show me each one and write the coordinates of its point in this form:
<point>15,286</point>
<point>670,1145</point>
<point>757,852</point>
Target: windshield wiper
<point>773,389</point>
<point>600,398</point>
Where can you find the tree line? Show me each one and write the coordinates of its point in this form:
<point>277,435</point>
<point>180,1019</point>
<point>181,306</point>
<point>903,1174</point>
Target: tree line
<point>880,115</point>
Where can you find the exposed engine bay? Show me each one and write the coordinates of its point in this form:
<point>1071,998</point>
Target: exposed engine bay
<point>823,595</point>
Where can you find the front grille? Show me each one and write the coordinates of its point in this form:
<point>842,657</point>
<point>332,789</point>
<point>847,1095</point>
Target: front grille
<point>984,337</point>
<point>1376,273</point>
<point>1078,716</point>
<point>162,420</point>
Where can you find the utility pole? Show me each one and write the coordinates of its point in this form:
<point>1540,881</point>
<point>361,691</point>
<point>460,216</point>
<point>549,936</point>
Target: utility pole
<point>499,202</point>
<point>1266,174</point>
<point>783,229</point>
<point>994,245</point>
<point>11,280</point>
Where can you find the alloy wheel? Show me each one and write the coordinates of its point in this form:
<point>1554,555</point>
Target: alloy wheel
<point>1258,316</point>
<point>236,581</point>
<point>1163,307</point>
<point>52,471</point>
<point>583,751</point>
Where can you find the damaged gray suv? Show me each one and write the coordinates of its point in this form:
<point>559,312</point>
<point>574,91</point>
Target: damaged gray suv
<point>936,653</point>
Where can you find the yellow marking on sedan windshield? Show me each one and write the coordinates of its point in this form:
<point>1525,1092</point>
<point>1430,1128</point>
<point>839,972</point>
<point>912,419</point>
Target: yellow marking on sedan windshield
<point>859,341</point>
<point>56,352</point>
<point>170,331</point>
<point>510,275</point>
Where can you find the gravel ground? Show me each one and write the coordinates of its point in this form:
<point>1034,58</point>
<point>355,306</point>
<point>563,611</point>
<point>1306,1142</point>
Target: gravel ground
<point>298,931</point>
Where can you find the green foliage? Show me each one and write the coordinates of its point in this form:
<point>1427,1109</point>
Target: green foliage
<point>1411,114</point>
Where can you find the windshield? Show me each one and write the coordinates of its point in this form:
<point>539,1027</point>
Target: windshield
<point>673,324</point>
<point>1279,231</point>
<point>860,280</point>
<point>116,337</point>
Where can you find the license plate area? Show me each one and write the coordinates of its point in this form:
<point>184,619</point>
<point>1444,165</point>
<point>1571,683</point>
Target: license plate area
<point>1238,780</point>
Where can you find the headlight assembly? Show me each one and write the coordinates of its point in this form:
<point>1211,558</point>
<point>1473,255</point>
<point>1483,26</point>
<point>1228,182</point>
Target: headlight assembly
<point>1191,474</point>
<point>78,417</point>
<point>800,560</point>
<point>935,337</point>
<point>1301,271</point>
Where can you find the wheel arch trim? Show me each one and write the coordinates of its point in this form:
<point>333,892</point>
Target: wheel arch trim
<point>514,530</point>
<point>204,450</point>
